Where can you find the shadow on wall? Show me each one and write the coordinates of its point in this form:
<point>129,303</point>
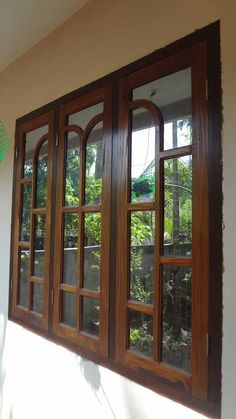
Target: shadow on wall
<point>2,369</point>
<point>92,375</point>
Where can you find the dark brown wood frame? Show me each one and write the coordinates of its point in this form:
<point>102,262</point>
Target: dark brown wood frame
<point>97,344</point>
<point>29,315</point>
<point>195,58</point>
<point>209,35</point>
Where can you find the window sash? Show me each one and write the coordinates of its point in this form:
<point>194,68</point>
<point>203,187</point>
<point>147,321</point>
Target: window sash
<point>196,381</point>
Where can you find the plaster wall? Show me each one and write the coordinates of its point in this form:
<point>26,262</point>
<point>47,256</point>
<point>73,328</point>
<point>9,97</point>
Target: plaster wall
<point>39,379</point>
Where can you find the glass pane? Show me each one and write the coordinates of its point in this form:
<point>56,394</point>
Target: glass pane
<point>142,157</point>
<point>39,246</point>
<point>173,95</point>
<point>141,333</point>
<point>142,229</point>
<point>83,117</point>
<point>178,133</point>
<point>68,309</point>
<point>176,320</point>
<point>42,171</point>
<point>178,206</point>
<point>72,175</point>
<point>70,261</point>
<point>31,141</point>
<point>26,212</point>
<point>24,278</point>
<point>37,298</point>
<point>94,160</point>
<point>90,316</point>
<point>92,251</point>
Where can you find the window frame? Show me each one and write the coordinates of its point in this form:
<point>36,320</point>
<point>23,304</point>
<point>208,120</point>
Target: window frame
<point>209,393</point>
<point>195,58</point>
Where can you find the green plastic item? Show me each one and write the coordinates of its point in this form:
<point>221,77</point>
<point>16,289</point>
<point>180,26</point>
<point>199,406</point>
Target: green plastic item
<point>3,141</point>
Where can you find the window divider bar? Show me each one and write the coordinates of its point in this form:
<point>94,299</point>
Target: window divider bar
<point>176,152</point>
<point>38,211</point>
<point>25,180</point>
<point>32,228</point>
<point>89,293</point>
<point>140,307</point>
<point>36,280</point>
<point>80,269</point>
<point>157,319</point>
<point>141,206</point>
<point>179,261</point>
<point>25,245</point>
<point>68,288</point>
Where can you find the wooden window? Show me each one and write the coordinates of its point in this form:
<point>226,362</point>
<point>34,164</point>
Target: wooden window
<point>163,245</point>
<point>32,233</point>
<point>113,238</point>
<point>81,279</point>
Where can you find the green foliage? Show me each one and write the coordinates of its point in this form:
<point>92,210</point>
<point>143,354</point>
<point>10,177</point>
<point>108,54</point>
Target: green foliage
<point>141,338</point>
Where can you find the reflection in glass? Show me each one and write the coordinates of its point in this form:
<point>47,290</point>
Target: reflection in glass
<point>90,316</point>
<point>26,212</point>
<point>42,171</point>
<point>92,251</point>
<point>173,95</point>
<point>178,206</point>
<point>94,161</point>
<point>142,157</point>
<point>72,175</point>
<point>141,333</point>
<point>31,141</point>
<point>83,117</point>
<point>142,229</point>
<point>178,133</point>
<point>176,317</point>
<point>37,304</point>
<point>70,253</point>
<point>68,309</point>
<point>39,246</point>
<point>24,277</point>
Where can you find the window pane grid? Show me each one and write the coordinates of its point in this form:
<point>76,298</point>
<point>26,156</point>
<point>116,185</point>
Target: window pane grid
<point>31,185</point>
<point>86,209</point>
<point>149,278</point>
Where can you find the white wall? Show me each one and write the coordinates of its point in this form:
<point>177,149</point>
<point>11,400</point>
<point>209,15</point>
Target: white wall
<point>39,379</point>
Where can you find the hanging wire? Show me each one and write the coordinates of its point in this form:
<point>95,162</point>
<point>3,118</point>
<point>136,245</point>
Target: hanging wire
<point>3,141</point>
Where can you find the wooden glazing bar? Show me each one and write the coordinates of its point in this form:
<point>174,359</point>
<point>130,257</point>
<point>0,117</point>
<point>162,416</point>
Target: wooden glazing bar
<point>178,261</point>
<point>157,326</point>
<point>89,293</point>
<point>150,106</point>
<point>68,288</point>
<point>94,121</point>
<point>74,128</point>
<point>176,152</point>
<point>81,231</point>
<point>25,245</point>
<point>70,209</point>
<point>80,269</point>
<point>59,222</point>
<point>36,280</point>
<point>142,308</point>
<point>39,211</point>
<point>142,206</point>
<point>32,226</point>
<point>25,180</point>
<point>91,208</point>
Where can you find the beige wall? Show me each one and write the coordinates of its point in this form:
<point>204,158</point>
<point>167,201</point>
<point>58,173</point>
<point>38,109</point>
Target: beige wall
<point>101,37</point>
